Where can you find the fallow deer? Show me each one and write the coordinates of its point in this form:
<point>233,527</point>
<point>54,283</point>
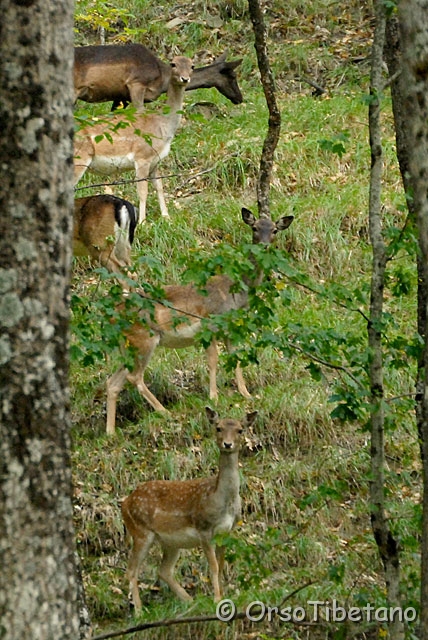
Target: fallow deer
<point>131,72</point>
<point>163,328</point>
<point>140,145</point>
<point>188,513</point>
<point>104,227</point>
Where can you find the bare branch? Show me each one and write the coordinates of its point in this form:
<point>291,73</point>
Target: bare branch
<point>325,363</point>
<point>318,89</point>
<point>135,180</point>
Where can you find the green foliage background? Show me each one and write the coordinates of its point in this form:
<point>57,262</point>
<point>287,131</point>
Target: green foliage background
<point>305,462</point>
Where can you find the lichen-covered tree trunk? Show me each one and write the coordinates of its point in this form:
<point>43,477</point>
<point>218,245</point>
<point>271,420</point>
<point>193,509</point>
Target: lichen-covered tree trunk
<point>38,583</point>
<point>413,22</point>
<point>387,545</point>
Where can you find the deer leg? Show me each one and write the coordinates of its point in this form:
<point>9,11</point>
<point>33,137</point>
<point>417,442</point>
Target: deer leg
<point>158,185</point>
<point>239,378</point>
<point>114,387</point>
<point>146,347</point>
<point>122,248</point>
<point>240,382</point>
<point>141,173</point>
<point>166,572</point>
<point>212,357</point>
<point>210,553</point>
<point>140,548</point>
<point>219,552</point>
<point>106,256</point>
<point>109,260</point>
<point>83,155</point>
<point>137,92</point>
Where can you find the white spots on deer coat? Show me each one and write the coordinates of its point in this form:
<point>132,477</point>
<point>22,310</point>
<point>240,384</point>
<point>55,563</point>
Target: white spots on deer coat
<point>186,514</point>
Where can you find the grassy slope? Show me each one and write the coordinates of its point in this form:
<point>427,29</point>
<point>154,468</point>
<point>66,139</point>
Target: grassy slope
<point>294,529</point>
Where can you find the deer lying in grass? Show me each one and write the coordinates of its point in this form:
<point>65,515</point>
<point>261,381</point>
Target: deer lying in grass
<point>161,328</point>
<point>104,227</point>
<point>131,72</point>
<point>140,145</point>
<point>187,514</point>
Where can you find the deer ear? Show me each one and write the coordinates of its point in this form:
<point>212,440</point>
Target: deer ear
<point>222,57</point>
<point>212,415</point>
<point>248,217</point>
<point>284,223</point>
<point>250,417</point>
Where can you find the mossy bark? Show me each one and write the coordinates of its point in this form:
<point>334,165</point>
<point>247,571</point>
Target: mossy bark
<point>38,582</point>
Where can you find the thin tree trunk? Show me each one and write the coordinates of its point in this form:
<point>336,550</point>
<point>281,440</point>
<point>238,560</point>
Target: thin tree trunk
<point>38,582</point>
<point>403,144</point>
<point>386,543</point>
<point>413,22</point>
<point>274,122</point>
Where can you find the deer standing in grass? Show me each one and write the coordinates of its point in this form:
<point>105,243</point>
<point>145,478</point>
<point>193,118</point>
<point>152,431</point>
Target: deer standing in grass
<point>103,229</point>
<point>139,145</point>
<point>161,327</point>
<point>187,514</point>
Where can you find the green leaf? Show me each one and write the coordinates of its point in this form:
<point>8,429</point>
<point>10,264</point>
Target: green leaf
<point>336,144</point>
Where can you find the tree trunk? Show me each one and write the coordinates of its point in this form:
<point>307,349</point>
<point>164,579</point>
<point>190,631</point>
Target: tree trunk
<point>274,123</point>
<point>403,144</point>
<point>387,545</point>
<point>38,583</point>
<point>413,21</point>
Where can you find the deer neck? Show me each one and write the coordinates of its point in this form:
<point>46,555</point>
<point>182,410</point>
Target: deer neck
<point>256,278</point>
<point>228,475</point>
<point>205,77</point>
<point>175,97</point>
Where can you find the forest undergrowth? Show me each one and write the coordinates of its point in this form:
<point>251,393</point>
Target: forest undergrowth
<point>305,462</point>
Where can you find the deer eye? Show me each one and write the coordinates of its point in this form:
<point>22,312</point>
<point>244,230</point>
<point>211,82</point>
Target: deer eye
<point>173,64</point>
<point>218,429</point>
<point>240,431</point>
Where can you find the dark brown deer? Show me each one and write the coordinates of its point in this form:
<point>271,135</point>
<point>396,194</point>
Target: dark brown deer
<point>188,513</point>
<point>162,328</point>
<point>131,72</point>
<point>104,227</point>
